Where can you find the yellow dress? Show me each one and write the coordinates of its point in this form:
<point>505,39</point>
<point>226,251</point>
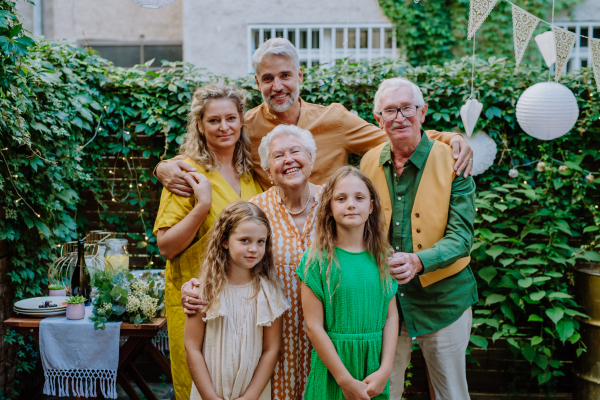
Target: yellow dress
<point>174,208</point>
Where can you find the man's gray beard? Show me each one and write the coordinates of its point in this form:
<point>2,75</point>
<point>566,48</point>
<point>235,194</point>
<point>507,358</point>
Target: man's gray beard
<point>283,108</point>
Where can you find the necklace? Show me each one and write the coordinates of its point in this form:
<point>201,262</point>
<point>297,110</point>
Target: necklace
<point>303,208</point>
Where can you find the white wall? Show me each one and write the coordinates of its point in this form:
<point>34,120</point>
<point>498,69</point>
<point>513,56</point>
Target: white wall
<point>215,36</point>
<point>587,11</point>
<point>114,20</point>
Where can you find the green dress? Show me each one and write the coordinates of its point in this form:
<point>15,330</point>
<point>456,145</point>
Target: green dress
<point>355,304</point>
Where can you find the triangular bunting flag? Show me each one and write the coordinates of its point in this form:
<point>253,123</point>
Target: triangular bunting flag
<point>595,47</point>
<point>478,12</point>
<point>523,26</point>
<point>564,41</point>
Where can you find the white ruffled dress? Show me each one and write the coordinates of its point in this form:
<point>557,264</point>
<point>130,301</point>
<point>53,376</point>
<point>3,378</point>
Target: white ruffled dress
<point>233,337</point>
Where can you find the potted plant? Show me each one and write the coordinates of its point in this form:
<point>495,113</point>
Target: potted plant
<point>75,307</point>
<point>56,290</point>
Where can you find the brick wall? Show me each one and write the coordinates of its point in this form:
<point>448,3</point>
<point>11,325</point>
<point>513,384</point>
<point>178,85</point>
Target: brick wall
<point>7,295</point>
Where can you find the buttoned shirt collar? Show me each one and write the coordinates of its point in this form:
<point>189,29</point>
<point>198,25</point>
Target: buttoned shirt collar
<point>418,157</point>
<point>269,115</point>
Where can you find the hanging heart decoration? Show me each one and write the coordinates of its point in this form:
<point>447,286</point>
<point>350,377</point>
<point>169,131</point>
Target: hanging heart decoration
<point>469,113</point>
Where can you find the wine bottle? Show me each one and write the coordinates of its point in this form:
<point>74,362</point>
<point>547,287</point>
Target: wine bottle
<point>80,281</point>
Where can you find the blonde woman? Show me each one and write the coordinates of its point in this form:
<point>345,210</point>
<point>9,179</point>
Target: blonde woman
<point>218,147</point>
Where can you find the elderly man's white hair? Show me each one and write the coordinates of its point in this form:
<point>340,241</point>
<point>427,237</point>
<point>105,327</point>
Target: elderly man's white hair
<point>305,137</point>
<point>394,84</point>
<point>277,46</point>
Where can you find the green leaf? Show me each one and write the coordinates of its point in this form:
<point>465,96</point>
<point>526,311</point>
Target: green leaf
<point>574,313</point>
<point>42,227</point>
<point>528,352</point>
<point>487,273</point>
<point>513,342</point>
<point>494,298</point>
<point>536,340</point>
<point>494,251</point>
<point>591,228</point>
<point>537,296</point>
<point>565,330</point>
<point>559,295</point>
<point>535,318</point>
<point>525,283</point>
<point>479,341</point>
<point>15,30</point>
<point>541,360</point>
<point>555,314</point>
<point>590,256</point>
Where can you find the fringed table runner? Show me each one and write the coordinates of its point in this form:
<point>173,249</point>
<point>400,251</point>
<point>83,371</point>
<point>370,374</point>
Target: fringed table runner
<point>77,359</point>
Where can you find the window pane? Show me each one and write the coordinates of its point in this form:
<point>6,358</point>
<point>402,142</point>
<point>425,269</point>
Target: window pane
<point>596,32</point>
<point>315,40</point>
<point>121,56</point>
<point>255,38</point>
<point>583,42</point>
<point>584,63</point>
<point>364,36</point>
<point>572,29</point>
<point>339,38</point>
<point>376,38</point>
<point>167,52</point>
<point>267,34</point>
<point>315,63</point>
<point>351,38</point>
<point>303,38</point>
<point>292,36</point>
<point>279,33</point>
<point>388,38</point>
<point>303,64</point>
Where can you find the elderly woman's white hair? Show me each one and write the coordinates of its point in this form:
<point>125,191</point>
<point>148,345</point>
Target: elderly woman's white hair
<point>305,137</point>
<point>397,83</point>
<point>277,46</point>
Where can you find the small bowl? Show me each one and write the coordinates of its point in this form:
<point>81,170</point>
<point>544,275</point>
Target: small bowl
<point>61,292</point>
<point>75,311</point>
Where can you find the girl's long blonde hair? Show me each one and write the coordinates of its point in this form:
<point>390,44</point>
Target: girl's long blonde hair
<point>216,262</point>
<point>374,235</point>
<point>194,144</point>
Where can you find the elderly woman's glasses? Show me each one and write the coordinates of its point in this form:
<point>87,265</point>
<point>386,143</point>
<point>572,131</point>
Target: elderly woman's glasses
<point>392,113</point>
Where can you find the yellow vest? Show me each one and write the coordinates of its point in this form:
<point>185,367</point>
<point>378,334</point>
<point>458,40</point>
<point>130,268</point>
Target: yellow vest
<point>432,202</point>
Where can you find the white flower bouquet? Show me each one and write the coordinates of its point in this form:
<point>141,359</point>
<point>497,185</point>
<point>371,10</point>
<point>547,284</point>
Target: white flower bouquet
<point>123,297</point>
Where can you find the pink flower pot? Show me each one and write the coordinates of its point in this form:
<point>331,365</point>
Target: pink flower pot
<point>61,292</point>
<point>75,311</point>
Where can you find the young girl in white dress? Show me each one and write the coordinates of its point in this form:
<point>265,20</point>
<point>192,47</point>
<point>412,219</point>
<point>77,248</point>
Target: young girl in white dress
<point>233,344</point>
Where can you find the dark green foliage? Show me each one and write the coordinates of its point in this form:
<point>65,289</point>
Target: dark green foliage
<point>436,31</point>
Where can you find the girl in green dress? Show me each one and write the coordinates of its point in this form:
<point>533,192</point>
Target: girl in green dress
<point>348,294</point>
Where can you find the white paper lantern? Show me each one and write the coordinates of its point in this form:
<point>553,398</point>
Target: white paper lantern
<point>547,110</point>
<point>154,3</point>
<point>513,173</point>
<point>484,151</point>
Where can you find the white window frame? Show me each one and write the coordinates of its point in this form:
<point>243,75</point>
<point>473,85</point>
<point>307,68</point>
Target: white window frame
<point>580,53</point>
<point>327,55</point>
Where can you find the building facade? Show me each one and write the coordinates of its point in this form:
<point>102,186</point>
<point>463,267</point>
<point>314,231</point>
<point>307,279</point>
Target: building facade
<point>222,36</point>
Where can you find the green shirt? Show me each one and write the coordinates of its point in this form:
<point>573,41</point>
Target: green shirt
<point>429,309</point>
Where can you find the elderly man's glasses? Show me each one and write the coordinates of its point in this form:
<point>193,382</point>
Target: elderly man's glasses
<point>392,113</point>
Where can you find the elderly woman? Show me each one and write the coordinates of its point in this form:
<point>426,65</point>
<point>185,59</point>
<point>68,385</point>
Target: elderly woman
<point>219,149</point>
<point>287,154</point>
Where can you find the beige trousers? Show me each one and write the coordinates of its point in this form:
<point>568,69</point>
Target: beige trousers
<point>444,352</point>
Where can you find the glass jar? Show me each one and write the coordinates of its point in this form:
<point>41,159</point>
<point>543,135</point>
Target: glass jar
<point>116,254</point>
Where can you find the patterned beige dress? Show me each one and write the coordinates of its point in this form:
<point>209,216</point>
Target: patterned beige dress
<point>233,337</point>
<point>291,372</point>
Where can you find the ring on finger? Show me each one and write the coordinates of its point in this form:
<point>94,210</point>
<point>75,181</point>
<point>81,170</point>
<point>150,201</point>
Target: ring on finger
<point>187,299</point>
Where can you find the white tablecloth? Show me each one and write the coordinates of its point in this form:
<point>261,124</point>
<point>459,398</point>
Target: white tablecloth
<point>74,350</point>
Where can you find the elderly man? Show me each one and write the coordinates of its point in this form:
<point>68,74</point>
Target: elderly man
<point>337,131</point>
<point>430,212</point>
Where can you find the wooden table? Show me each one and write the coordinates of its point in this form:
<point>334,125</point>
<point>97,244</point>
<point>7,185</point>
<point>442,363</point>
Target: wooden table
<point>139,338</point>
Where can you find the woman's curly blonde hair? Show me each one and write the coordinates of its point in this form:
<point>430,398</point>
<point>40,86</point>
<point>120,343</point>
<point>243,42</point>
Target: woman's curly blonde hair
<point>194,144</point>
<point>216,262</point>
